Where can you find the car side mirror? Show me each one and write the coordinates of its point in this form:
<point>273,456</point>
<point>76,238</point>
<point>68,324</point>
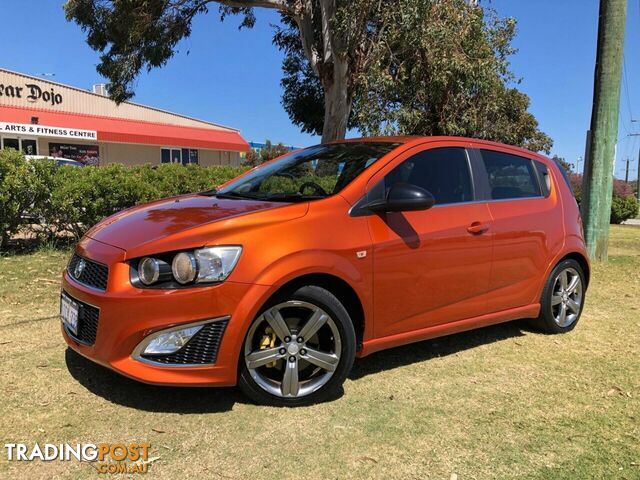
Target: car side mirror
<point>402,197</point>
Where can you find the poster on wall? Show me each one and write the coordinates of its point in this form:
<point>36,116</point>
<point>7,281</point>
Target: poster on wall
<point>87,154</point>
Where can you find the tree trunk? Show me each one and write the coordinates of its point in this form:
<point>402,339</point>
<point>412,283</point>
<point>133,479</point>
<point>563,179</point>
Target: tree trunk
<point>337,102</point>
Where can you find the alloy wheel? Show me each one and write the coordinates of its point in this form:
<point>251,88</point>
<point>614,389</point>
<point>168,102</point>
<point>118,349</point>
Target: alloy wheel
<point>567,297</point>
<point>292,349</point>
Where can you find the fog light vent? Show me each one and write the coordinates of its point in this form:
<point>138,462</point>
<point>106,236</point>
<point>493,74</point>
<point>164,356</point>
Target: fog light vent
<point>195,344</point>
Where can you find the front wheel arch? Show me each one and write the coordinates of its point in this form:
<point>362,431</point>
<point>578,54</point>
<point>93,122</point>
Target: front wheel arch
<point>338,287</point>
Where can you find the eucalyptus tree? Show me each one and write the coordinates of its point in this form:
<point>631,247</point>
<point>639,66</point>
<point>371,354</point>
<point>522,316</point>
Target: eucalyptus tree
<point>392,66</point>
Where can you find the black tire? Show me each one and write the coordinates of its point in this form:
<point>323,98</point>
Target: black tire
<point>548,321</point>
<point>326,301</point>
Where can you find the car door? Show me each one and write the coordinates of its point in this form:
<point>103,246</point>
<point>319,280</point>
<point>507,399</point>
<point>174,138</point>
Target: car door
<point>430,267</point>
<point>527,226</point>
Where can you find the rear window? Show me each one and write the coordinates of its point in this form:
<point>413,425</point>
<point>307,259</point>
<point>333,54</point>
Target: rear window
<point>510,176</point>
<point>565,175</point>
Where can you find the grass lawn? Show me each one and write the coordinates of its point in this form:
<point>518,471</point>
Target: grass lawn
<point>501,402</point>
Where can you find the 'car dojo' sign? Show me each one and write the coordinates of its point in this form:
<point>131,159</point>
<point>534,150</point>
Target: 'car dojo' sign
<point>44,131</point>
<point>32,92</point>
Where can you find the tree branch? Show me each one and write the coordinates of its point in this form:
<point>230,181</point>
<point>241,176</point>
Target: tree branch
<point>302,15</point>
<point>327,11</point>
<point>304,20</point>
<point>280,5</point>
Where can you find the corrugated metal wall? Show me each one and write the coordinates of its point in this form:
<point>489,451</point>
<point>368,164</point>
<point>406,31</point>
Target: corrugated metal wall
<point>84,102</point>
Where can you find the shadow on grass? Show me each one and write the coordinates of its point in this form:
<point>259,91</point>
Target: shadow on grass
<point>124,391</point>
<point>437,347</point>
<point>151,398</point>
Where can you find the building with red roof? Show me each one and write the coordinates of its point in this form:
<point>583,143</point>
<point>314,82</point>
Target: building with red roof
<point>45,118</point>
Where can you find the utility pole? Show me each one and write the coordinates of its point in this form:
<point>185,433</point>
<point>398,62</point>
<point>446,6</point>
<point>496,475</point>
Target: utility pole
<point>637,169</point>
<point>597,184</point>
<point>626,173</point>
<point>638,178</point>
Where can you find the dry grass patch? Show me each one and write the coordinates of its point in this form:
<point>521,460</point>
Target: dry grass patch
<point>501,402</point>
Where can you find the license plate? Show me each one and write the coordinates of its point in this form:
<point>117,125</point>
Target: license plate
<point>69,313</point>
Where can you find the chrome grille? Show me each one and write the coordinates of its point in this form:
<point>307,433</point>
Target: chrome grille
<point>88,272</point>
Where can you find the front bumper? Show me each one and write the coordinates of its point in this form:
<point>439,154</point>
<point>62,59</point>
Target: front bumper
<point>129,314</point>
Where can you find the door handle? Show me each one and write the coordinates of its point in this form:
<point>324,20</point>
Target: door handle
<point>477,228</point>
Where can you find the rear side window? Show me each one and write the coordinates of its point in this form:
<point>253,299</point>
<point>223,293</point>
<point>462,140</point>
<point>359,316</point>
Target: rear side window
<point>510,176</point>
<point>543,175</point>
<point>442,171</point>
<point>565,175</point>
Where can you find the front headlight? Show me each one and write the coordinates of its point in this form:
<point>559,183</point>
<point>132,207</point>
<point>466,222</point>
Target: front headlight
<point>184,267</point>
<point>204,265</point>
<point>152,270</point>
<point>216,263</point>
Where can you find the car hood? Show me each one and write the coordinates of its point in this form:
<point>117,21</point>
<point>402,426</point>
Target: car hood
<point>187,221</point>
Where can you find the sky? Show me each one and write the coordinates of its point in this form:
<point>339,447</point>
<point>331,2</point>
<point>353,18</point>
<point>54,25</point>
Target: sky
<point>232,77</point>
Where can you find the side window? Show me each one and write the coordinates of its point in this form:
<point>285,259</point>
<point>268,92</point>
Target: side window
<point>442,171</point>
<point>545,179</point>
<point>565,175</point>
<point>510,176</point>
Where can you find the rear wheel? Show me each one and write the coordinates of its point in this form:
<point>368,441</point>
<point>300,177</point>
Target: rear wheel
<point>562,298</point>
<point>299,350</point>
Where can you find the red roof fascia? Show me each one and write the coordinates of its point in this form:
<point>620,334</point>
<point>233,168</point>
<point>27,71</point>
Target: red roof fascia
<point>131,131</point>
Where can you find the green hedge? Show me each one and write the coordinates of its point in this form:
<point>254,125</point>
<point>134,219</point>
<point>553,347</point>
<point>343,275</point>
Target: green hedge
<point>69,200</point>
<point>19,189</point>
<point>624,204</point>
<point>623,208</point>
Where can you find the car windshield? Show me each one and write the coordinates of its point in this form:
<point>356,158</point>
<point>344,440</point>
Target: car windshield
<point>311,173</point>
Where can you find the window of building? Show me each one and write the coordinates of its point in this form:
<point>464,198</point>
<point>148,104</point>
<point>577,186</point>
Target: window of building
<point>29,146</point>
<point>11,143</point>
<point>442,171</point>
<point>510,176</point>
<point>86,154</point>
<point>178,155</point>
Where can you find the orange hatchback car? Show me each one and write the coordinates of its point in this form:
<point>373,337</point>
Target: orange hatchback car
<point>277,280</point>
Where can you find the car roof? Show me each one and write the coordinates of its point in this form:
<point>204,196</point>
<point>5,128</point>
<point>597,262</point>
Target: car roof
<point>388,139</point>
<point>418,139</point>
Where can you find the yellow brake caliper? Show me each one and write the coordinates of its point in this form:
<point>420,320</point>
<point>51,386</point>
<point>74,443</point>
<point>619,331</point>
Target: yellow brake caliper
<point>268,341</point>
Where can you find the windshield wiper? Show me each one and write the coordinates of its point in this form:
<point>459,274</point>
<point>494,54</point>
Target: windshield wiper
<point>274,197</point>
<point>239,196</point>
<point>290,197</point>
